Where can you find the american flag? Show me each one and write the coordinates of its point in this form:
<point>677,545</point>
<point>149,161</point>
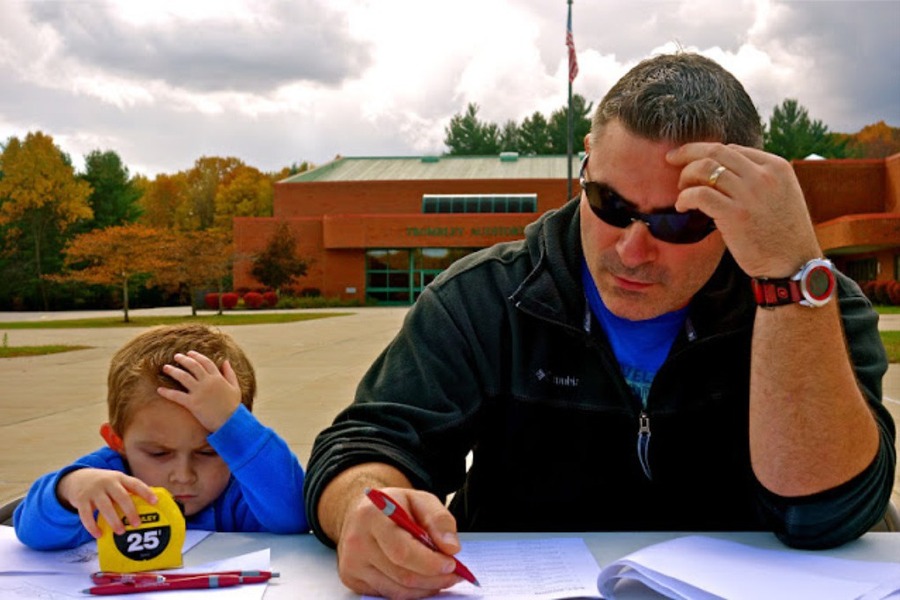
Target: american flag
<point>570,43</point>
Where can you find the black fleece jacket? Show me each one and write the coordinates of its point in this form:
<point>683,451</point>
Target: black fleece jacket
<point>500,356</point>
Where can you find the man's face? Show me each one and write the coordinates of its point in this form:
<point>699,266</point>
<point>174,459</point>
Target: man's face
<point>638,276</point>
<point>165,446</point>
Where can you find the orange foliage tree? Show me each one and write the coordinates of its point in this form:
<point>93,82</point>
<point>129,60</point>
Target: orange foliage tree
<point>40,198</point>
<point>199,259</point>
<point>878,140</point>
<point>117,256</point>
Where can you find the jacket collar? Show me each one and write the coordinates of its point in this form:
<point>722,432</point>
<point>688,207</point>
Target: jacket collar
<point>553,290</point>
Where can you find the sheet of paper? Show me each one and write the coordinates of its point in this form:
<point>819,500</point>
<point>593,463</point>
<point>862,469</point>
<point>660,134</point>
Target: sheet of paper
<point>539,569</point>
<point>67,585</point>
<point>15,557</point>
<point>704,567</point>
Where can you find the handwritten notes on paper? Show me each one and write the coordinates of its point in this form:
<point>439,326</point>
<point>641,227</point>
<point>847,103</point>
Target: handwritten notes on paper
<point>534,569</point>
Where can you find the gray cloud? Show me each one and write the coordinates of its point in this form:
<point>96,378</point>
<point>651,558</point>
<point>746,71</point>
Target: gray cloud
<point>160,92</point>
<point>300,40</point>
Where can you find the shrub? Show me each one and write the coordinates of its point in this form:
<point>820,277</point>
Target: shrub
<point>881,292</point>
<point>253,300</point>
<point>270,299</point>
<point>230,300</point>
<point>310,292</point>
<point>893,292</point>
<point>211,300</point>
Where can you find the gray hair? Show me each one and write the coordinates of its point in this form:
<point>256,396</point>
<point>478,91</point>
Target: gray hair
<point>681,97</point>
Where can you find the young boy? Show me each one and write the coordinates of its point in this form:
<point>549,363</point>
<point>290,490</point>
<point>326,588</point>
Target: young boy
<point>179,418</point>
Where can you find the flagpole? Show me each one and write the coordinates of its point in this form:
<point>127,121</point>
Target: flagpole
<point>570,119</point>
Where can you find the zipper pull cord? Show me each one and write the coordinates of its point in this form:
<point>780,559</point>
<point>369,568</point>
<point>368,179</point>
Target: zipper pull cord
<point>643,444</point>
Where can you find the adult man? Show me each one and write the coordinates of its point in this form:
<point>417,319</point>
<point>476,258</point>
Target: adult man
<point>615,370</point>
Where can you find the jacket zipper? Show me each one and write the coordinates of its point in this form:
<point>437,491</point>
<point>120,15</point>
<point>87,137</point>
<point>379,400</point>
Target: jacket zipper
<point>643,444</point>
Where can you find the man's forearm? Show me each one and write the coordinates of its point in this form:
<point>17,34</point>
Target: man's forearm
<point>348,487</point>
<point>810,426</point>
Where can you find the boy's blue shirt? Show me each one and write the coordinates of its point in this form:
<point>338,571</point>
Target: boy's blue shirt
<point>265,492</point>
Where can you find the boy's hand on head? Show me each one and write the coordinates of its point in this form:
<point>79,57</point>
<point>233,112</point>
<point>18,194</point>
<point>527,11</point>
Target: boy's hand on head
<point>212,396</point>
<point>89,490</point>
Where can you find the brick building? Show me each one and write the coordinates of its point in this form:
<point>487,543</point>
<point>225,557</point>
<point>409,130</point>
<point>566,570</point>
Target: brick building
<point>383,227</point>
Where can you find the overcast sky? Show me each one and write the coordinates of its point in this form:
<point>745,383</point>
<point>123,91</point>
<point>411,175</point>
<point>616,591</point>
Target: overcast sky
<point>274,82</point>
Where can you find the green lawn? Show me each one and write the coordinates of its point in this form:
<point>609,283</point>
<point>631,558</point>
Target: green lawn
<point>891,339</point>
<point>248,318</point>
<point>240,318</point>
<point>11,351</point>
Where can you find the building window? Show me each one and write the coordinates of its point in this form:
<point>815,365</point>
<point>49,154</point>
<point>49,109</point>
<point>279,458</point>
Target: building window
<point>862,270</point>
<point>483,203</point>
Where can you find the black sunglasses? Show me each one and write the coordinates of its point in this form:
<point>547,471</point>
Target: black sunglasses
<point>667,225</point>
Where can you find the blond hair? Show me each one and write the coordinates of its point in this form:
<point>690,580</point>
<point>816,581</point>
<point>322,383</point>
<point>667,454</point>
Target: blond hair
<point>135,371</point>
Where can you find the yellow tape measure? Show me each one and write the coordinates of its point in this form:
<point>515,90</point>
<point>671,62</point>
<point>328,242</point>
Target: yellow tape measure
<point>155,544</point>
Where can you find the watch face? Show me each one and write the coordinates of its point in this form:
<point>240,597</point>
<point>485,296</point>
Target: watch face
<point>819,283</point>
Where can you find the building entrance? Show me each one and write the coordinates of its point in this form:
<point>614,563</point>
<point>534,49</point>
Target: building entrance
<point>398,276</point>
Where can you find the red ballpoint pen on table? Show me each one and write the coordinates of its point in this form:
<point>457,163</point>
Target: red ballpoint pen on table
<point>247,576</point>
<point>389,507</point>
<point>197,582</point>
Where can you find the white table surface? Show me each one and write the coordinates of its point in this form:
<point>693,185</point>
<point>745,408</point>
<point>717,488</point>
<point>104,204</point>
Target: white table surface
<point>308,570</point>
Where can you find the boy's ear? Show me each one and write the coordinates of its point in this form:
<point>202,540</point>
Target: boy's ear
<point>111,437</point>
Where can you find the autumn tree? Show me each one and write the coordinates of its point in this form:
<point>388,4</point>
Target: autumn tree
<point>203,181</point>
<point>878,140</point>
<point>791,134</point>
<point>198,259</point>
<point>165,203</point>
<point>247,192</point>
<point>278,264</point>
<point>114,199</point>
<point>119,256</point>
<point>40,199</point>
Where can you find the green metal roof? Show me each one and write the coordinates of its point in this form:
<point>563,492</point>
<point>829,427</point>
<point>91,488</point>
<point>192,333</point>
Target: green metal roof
<point>399,168</point>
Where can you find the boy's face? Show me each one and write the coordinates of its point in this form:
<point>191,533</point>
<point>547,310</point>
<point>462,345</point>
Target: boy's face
<point>166,446</point>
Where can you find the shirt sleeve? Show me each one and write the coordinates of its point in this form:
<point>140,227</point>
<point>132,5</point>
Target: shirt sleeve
<point>41,521</point>
<point>844,513</point>
<point>268,475</point>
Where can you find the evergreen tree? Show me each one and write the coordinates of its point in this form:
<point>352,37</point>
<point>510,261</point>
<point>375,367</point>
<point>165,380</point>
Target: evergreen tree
<point>791,134</point>
<point>115,195</point>
<point>581,125</point>
<point>466,135</point>
<point>534,135</point>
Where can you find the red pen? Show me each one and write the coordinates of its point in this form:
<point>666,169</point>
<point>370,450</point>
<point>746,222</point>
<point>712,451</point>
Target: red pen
<point>101,577</point>
<point>395,512</point>
<point>197,582</point>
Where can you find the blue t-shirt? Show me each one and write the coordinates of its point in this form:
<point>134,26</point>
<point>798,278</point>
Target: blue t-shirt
<point>640,347</point>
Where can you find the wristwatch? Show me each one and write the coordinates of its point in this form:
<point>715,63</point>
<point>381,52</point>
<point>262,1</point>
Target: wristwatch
<point>813,285</point>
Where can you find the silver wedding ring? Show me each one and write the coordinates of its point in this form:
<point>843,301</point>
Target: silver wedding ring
<point>714,176</point>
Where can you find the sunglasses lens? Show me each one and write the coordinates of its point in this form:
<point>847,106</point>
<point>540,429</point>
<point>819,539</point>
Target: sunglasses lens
<point>672,227</point>
<point>680,228</point>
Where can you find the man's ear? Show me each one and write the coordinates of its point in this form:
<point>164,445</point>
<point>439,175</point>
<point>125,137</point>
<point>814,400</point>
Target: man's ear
<point>111,437</point>
<point>587,142</point>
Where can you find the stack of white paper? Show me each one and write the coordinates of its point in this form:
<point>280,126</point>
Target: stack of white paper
<point>703,568</point>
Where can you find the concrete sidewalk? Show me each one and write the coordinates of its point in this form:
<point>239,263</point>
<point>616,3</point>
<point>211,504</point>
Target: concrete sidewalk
<point>51,407</point>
